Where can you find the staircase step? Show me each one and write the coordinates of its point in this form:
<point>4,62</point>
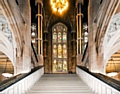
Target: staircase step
<point>60,84</point>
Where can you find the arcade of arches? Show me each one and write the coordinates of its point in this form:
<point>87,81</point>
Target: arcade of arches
<point>83,35</point>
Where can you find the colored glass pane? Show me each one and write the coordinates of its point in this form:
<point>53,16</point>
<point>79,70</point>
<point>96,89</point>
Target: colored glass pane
<point>64,46</point>
<point>55,46</point>
<point>54,37</point>
<point>55,53</point>
<point>64,29</point>
<point>54,29</point>
<point>64,37</point>
<point>59,36</point>
<point>54,65</point>
<point>64,65</point>
<point>59,28</point>
<point>59,51</point>
<point>59,65</point>
<point>64,53</point>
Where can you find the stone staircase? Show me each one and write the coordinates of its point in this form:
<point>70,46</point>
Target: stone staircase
<point>60,84</point>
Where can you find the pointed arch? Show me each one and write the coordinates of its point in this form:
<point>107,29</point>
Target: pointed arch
<point>111,41</point>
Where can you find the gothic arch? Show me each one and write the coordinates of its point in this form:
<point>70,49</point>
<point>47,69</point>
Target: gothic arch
<point>7,53</point>
<point>111,41</point>
<point>8,14</point>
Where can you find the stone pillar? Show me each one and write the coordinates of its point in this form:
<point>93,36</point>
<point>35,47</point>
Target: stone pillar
<point>73,33</point>
<point>19,62</point>
<point>23,50</point>
<point>40,33</point>
<point>95,58</point>
<point>79,31</point>
<point>45,49</point>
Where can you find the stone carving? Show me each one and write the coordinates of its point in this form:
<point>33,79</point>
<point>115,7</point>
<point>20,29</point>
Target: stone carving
<point>4,28</point>
<point>114,27</point>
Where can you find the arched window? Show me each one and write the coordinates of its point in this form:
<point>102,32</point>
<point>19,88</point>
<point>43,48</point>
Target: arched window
<point>59,48</point>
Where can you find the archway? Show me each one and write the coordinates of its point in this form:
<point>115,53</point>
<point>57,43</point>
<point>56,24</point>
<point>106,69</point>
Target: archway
<point>111,43</point>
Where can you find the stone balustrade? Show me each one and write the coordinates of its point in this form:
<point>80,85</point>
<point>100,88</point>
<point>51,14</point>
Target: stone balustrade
<point>96,85</point>
<point>22,86</point>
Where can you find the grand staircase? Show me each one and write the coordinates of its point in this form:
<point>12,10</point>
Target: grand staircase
<point>60,84</point>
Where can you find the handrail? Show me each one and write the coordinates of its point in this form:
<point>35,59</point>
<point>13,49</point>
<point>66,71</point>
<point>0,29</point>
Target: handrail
<point>111,82</point>
<point>34,52</point>
<point>12,80</point>
<point>84,52</point>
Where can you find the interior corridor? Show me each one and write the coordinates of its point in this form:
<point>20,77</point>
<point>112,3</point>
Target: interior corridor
<point>60,84</point>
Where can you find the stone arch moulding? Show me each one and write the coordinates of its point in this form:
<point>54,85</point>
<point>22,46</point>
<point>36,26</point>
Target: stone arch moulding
<point>6,47</point>
<point>4,50</point>
<point>62,22</point>
<point>6,42</point>
<point>111,42</point>
<point>113,49</point>
<point>7,12</point>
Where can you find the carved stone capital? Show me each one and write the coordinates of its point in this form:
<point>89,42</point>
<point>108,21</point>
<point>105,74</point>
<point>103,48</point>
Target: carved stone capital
<point>79,1</point>
<point>39,2</point>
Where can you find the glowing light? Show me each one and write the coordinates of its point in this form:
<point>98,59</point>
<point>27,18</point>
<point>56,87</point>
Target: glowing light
<point>112,74</point>
<point>33,33</point>
<point>59,5</point>
<point>7,75</point>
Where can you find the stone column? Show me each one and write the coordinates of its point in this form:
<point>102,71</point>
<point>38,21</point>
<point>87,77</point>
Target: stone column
<point>23,50</point>
<point>79,31</point>
<point>40,33</point>
<point>45,49</point>
<point>73,33</point>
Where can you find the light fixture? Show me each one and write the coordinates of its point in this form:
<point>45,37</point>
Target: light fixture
<point>5,74</point>
<point>59,5</point>
<point>111,74</point>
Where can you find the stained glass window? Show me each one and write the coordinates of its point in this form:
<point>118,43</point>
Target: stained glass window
<point>59,65</point>
<point>54,37</point>
<point>55,46</point>
<point>64,51</point>
<point>54,65</point>
<point>64,29</point>
<point>55,52</point>
<point>59,36</point>
<point>64,46</point>
<point>64,37</point>
<point>59,51</point>
<point>59,42</point>
<point>64,65</point>
<point>54,29</point>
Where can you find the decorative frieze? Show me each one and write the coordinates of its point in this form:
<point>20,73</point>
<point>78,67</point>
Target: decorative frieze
<point>113,27</point>
<point>4,29</point>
